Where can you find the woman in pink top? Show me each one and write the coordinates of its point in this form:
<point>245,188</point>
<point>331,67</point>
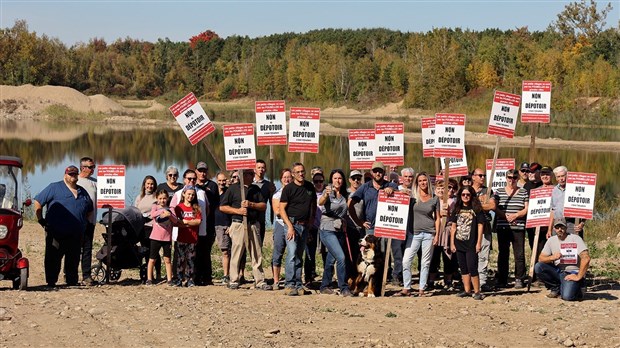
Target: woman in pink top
<point>161,235</point>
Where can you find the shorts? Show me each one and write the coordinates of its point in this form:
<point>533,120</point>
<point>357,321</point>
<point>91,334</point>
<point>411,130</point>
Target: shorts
<point>156,245</point>
<point>223,238</point>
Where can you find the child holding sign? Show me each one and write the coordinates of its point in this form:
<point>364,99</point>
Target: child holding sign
<point>188,212</point>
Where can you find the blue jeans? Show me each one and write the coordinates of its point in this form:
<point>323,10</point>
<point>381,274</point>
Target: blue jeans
<point>334,241</point>
<point>415,242</point>
<point>554,280</point>
<point>294,256</point>
<point>279,243</point>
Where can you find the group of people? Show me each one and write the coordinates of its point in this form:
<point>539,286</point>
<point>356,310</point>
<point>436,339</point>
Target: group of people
<point>450,222</point>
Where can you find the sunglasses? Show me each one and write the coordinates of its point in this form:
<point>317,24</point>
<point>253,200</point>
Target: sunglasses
<point>465,195</point>
<point>90,167</point>
<point>72,174</point>
<point>318,181</point>
<point>450,187</point>
<point>480,175</point>
<point>524,170</point>
<point>512,177</point>
<point>173,175</point>
<point>377,170</point>
<point>191,179</point>
<point>357,178</point>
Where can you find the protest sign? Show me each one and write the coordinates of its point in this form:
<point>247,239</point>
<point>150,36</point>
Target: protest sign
<point>390,143</point>
<point>449,135</point>
<point>361,148</point>
<point>579,195</point>
<point>539,207</point>
<point>501,166</point>
<point>428,136</point>
<point>192,118</point>
<point>536,102</point>
<point>392,215</point>
<point>111,186</point>
<point>504,114</point>
<point>304,127</point>
<point>239,146</point>
<point>270,122</point>
<point>458,166</point>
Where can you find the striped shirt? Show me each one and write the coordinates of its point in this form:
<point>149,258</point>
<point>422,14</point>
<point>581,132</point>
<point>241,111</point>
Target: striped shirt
<point>510,205</point>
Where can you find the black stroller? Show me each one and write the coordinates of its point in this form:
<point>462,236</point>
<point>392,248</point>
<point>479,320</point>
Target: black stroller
<point>128,249</point>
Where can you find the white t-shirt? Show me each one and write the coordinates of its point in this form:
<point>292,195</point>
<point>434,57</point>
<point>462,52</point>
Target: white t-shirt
<point>570,248</point>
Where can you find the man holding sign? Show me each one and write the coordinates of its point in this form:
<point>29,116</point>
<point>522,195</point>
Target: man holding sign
<point>563,263</point>
<point>557,204</point>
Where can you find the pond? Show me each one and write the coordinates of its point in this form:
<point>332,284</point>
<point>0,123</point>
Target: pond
<point>47,148</point>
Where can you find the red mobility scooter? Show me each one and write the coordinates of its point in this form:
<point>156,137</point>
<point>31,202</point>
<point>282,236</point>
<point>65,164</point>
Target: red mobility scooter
<point>13,266</point>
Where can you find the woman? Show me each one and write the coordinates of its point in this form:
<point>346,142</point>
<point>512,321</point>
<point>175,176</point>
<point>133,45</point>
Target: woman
<point>279,228</point>
<point>442,250</point>
<point>332,231</point>
<point>171,185</point>
<point>144,201</point>
<point>425,233</point>
<point>512,203</point>
<point>466,230</point>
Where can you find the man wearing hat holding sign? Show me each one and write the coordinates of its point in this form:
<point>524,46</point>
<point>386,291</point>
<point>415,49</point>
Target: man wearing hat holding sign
<point>563,263</point>
<point>69,208</point>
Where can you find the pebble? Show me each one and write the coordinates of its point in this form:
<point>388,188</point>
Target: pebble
<point>568,343</point>
<point>96,311</point>
<point>274,331</point>
<point>543,331</point>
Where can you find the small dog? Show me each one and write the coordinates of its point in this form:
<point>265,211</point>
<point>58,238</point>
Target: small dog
<point>369,268</point>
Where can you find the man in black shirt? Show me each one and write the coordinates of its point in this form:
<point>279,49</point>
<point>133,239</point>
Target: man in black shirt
<point>297,208</point>
<point>245,237</point>
<point>204,268</point>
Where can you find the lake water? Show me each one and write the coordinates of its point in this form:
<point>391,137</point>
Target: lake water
<point>47,149</point>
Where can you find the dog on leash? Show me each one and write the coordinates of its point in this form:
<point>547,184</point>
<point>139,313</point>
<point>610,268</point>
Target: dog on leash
<point>369,268</point>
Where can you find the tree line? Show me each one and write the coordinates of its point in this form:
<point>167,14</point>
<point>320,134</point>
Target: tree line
<point>364,66</point>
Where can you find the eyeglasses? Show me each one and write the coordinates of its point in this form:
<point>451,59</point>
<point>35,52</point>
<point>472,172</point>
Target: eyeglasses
<point>524,170</point>
<point>357,178</point>
<point>173,175</point>
<point>480,175</point>
<point>191,179</point>
<point>450,187</point>
<point>559,226</point>
<point>234,177</point>
<point>318,181</point>
<point>90,167</point>
<point>465,194</point>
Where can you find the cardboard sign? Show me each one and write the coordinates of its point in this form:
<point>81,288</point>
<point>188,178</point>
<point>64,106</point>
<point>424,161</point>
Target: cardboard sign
<point>239,146</point>
<point>111,186</point>
<point>579,195</point>
<point>428,136</point>
<point>449,135</point>
<point>501,166</point>
<point>539,207</point>
<point>304,124</point>
<point>390,143</point>
<point>536,105</point>
<point>270,122</point>
<point>458,166</point>
<point>504,114</point>
<point>361,148</point>
<point>192,118</point>
<point>392,215</point>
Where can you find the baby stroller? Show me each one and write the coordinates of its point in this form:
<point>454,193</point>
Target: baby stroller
<point>127,250</point>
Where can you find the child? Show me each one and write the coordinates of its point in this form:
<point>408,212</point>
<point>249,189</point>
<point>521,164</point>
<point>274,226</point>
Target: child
<point>161,235</point>
<point>188,212</point>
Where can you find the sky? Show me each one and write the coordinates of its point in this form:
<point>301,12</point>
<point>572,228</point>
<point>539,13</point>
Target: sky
<point>74,21</point>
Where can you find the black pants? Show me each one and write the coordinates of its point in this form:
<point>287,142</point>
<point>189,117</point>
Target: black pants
<point>87,250</point>
<point>449,263</point>
<point>506,236</point>
<point>204,268</point>
<point>55,249</point>
<point>468,262</point>
<point>542,239</point>
<point>310,255</point>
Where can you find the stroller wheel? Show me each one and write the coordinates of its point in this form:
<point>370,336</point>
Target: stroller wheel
<point>115,274</point>
<point>143,269</point>
<point>98,273</point>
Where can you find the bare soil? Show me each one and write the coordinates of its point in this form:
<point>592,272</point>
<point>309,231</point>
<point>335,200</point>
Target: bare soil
<point>126,313</point>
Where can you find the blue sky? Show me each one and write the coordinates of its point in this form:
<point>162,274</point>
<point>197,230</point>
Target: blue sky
<point>74,21</point>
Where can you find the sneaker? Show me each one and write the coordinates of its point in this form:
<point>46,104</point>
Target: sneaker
<point>178,283</point>
<point>225,280</point>
<point>478,296</point>
<point>486,288</point>
<point>291,292</point>
<point>88,281</point>
<point>170,283</point>
<point>304,291</point>
<point>463,294</point>
<point>519,284</point>
<point>327,291</point>
<point>233,286</point>
<point>553,294</point>
<point>264,287</point>
<point>190,283</point>
<point>346,293</point>
<point>148,283</point>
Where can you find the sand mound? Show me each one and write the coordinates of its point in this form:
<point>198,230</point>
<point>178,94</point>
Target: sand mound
<point>389,109</point>
<point>341,111</point>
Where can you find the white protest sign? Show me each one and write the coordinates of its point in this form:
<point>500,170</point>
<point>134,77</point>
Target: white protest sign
<point>539,207</point>
<point>192,118</point>
<point>111,186</point>
<point>390,143</point>
<point>361,148</point>
<point>501,166</point>
<point>239,146</point>
<point>270,122</point>
<point>392,215</point>
<point>568,250</point>
<point>449,135</point>
<point>504,114</point>
<point>579,195</point>
<point>536,101</point>
<point>428,136</point>
<point>458,166</point>
<point>304,130</point>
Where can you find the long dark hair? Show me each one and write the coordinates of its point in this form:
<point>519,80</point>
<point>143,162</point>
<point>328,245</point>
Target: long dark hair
<point>193,202</point>
<point>475,204</point>
<point>343,188</point>
<point>142,192</point>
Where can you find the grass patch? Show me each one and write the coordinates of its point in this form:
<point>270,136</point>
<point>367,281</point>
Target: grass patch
<point>391,315</point>
<point>63,113</point>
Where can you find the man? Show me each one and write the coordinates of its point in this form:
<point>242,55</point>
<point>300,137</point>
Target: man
<point>222,223</point>
<point>69,209</point>
<point>557,204</point>
<point>89,183</point>
<point>267,188</point>
<point>563,263</point>
<point>369,193</point>
<point>533,177</point>
<point>488,204</point>
<point>248,236</point>
<point>297,209</point>
<point>524,170</point>
<point>398,246</point>
<point>204,268</point>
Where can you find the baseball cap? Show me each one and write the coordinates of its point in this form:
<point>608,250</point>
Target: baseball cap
<point>535,166</point>
<point>524,165</point>
<point>354,173</point>
<point>546,169</point>
<point>72,170</point>
<point>377,164</point>
<point>559,221</point>
<point>201,165</point>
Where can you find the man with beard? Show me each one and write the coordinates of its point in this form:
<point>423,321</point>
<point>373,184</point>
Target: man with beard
<point>488,204</point>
